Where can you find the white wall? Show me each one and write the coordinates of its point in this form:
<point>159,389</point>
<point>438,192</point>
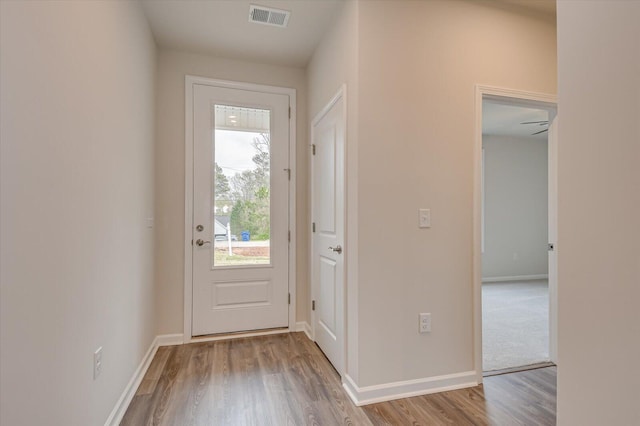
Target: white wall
<point>334,63</point>
<point>172,68</point>
<point>599,200</point>
<point>418,64</point>
<point>515,206</point>
<point>77,83</point>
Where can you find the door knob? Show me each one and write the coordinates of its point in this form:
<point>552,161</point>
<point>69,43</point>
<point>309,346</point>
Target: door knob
<point>200,242</point>
<point>337,249</point>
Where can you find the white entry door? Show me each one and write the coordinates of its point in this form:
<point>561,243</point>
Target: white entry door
<point>328,211</point>
<point>240,210</point>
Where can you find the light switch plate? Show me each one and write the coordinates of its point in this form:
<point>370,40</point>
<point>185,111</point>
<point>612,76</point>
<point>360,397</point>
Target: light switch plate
<point>424,218</point>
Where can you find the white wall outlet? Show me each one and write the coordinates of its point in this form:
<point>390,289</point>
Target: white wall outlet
<point>97,363</point>
<point>425,323</point>
<point>424,218</point>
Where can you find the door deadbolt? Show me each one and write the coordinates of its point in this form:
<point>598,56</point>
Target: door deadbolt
<point>199,228</point>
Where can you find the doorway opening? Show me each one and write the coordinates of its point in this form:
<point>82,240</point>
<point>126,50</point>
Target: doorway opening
<point>516,268</point>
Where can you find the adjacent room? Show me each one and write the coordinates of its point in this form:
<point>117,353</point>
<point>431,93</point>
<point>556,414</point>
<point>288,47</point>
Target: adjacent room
<point>515,236</point>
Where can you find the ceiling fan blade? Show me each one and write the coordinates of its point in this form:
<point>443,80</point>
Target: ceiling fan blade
<point>541,131</point>
<point>536,122</point>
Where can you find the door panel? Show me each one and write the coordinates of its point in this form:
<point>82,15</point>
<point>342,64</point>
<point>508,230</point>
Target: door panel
<point>328,291</point>
<point>240,210</point>
<point>328,135</point>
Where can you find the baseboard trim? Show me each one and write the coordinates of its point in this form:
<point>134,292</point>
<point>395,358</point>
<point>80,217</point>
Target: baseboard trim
<point>515,278</point>
<point>405,389</point>
<point>121,406</point>
<point>170,339</point>
<point>129,392</point>
<point>304,326</point>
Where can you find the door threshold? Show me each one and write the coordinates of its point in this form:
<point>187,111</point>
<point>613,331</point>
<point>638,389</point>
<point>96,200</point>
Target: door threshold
<point>518,369</point>
<point>238,334</point>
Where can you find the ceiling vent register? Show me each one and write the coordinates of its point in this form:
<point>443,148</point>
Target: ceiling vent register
<point>269,16</point>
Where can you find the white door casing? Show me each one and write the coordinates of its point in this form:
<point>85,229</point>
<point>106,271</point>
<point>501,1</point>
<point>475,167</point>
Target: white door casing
<point>553,238</point>
<point>236,298</point>
<point>328,216</point>
<point>525,99</point>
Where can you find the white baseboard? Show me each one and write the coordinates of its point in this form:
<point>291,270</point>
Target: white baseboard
<point>405,389</point>
<point>129,392</point>
<point>515,278</point>
<point>304,326</point>
<point>170,339</point>
<point>118,411</point>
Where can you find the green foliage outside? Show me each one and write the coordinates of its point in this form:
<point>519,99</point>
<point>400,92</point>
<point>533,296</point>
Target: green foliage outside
<point>250,192</point>
<point>223,189</point>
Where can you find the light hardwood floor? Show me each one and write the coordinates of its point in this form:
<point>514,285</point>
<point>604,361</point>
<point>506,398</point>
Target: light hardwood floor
<point>285,379</point>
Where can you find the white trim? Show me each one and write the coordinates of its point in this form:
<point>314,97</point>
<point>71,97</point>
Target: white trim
<point>552,143</point>
<point>515,278</point>
<point>523,98</point>
<point>130,390</point>
<point>409,388</point>
<point>188,206</point>
<point>232,336</point>
<point>304,326</point>
<point>190,81</point>
<point>169,339</point>
<point>340,94</point>
<point>292,208</point>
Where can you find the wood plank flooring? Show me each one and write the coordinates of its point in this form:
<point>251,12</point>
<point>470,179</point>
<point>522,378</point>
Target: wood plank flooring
<point>284,379</point>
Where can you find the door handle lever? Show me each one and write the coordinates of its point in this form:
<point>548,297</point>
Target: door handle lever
<point>337,249</point>
<point>200,242</point>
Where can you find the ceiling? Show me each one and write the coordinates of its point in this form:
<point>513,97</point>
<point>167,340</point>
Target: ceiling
<point>505,120</point>
<point>222,28</point>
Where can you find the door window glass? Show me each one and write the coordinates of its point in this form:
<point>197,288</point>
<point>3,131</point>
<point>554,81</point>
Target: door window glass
<point>241,186</point>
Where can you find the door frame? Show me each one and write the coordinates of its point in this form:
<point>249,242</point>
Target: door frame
<point>340,94</point>
<point>527,99</point>
<point>190,82</point>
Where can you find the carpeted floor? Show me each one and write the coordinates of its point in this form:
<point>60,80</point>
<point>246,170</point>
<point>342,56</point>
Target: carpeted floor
<point>515,324</point>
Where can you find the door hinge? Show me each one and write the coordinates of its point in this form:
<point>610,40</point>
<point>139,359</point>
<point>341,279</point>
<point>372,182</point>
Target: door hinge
<point>313,227</point>
<point>288,173</point>
<point>191,242</point>
<point>313,149</point>
<point>289,112</point>
<point>313,305</point>
<point>289,299</point>
<point>289,236</point>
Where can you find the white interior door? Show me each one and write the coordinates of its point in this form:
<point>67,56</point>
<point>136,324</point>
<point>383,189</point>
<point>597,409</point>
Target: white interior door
<point>328,138</point>
<point>553,238</point>
<point>240,210</point>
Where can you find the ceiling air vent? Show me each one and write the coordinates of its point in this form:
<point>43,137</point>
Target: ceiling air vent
<point>268,16</point>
